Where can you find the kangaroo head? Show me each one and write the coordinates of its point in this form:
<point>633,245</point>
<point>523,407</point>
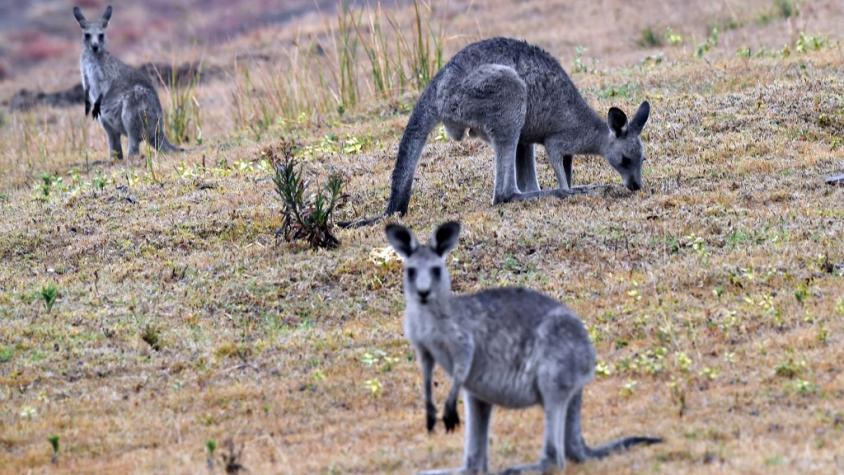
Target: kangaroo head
<point>93,32</point>
<point>425,275</point>
<point>625,151</point>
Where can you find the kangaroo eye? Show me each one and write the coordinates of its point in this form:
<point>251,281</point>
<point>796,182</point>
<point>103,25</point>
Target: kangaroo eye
<point>411,273</point>
<point>436,272</point>
<point>101,37</point>
<point>87,36</point>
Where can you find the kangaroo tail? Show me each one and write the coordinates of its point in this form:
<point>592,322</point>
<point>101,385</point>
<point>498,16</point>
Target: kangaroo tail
<point>161,143</point>
<point>576,448</point>
<point>423,119</point>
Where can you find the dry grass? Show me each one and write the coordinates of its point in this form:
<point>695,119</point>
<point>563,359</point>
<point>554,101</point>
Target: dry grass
<point>715,297</point>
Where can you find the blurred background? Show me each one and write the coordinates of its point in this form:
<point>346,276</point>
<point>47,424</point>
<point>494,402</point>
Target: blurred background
<point>35,33</point>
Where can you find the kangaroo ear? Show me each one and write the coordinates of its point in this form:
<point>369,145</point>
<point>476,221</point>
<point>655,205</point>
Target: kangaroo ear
<point>80,18</point>
<point>617,120</point>
<point>106,16</point>
<point>401,239</point>
<point>445,237</point>
<point>641,117</point>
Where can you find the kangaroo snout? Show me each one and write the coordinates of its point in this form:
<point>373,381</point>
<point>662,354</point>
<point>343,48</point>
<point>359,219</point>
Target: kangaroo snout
<point>423,295</point>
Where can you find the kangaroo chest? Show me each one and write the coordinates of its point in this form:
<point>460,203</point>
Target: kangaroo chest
<point>95,77</point>
<point>425,334</point>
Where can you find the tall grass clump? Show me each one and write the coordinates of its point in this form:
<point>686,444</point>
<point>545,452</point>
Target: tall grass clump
<point>363,55</point>
<point>183,121</point>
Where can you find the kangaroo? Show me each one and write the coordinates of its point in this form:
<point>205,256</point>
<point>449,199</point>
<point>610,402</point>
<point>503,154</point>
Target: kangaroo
<point>511,347</point>
<point>514,95</point>
<point>120,96</point>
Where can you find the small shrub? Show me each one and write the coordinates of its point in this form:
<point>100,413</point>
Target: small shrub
<point>649,39</point>
<point>152,336</point>
<point>307,216</point>
<point>48,180</point>
<point>785,8</point>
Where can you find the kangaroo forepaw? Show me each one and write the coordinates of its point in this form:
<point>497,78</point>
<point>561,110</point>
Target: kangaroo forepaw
<point>430,416</point>
<point>95,111</point>
<point>87,101</point>
<point>450,417</point>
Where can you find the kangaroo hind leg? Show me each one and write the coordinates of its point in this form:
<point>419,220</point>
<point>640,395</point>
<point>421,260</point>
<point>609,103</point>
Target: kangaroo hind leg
<point>491,101</point>
<point>526,168</point>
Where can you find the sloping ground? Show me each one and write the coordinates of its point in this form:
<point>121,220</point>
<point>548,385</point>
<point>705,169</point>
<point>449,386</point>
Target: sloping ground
<point>714,296</point>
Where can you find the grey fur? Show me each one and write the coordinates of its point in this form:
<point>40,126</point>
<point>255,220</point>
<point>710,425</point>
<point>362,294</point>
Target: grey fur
<point>511,347</point>
<point>120,96</point>
<point>514,95</point>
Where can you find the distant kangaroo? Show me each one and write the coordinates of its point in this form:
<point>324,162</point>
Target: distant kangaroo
<point>511,347</point>
<point>120,96</point>
<point>514,95</point>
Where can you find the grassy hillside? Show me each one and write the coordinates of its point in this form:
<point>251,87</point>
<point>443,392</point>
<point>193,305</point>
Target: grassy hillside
<point>148,312</point>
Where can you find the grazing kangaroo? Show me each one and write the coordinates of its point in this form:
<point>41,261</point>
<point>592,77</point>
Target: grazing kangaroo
<point>514,95</point>
<point>120,96</point>
<point>511,347</point>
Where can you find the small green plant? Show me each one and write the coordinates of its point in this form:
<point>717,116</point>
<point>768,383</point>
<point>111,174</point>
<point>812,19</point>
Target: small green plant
<point>374,386</point>
<point>210,448</point>
<point>678,395</point>
<point>790,368</point>
<point>649,39</point>
<point>622,90</point>
<point>673,38</point>
<point>48,294</point>
<point>578,66</point>
<point>602,368</point>
<point>54,443</point>
<point>711,42</point>
<point>806,43</point>
<point>151,335</point>
<point>307,217</point>
<point>378,357</point>
<point>6,353</point>
<point>628,388</point>
<point>744,52</point>
<point>99,182</point>
<point>785,8</point>
<point>804,387</point>
<point>48,180</point>
<point>801,293</point>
